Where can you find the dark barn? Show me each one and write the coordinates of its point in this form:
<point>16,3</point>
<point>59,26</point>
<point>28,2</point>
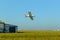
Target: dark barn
<point>8,28</point>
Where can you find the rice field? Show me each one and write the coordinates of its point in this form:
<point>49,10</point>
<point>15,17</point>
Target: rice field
<point>31,35</point>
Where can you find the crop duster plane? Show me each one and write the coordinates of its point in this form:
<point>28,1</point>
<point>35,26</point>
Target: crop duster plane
<point>30,15</point>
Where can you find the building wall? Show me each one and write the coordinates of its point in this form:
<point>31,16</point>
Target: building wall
<point>5,27</point>
<point>1,27</point>
<point>8,26</point>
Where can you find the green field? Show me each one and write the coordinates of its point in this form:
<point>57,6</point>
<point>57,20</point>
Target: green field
<point>31,35</point>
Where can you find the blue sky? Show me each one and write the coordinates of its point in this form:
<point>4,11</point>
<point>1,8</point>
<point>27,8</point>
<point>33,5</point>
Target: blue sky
<point>47,14</point>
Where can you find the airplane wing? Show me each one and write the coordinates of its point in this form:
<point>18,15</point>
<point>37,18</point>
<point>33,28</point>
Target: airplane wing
<point>26,15</point>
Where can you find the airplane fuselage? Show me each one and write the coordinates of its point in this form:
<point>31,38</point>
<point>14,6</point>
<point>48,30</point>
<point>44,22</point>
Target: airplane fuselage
<point>30,15</point>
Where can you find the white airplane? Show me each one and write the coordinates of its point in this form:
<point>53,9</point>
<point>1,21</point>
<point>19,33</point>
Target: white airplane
<point>30,15</point>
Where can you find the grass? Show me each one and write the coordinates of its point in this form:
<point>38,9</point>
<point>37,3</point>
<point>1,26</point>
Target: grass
<point>31,35</point>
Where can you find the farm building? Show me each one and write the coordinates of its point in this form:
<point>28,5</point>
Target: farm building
<point>7,28</point>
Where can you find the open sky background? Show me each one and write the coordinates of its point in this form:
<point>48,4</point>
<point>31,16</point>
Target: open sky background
<point>47,14</point>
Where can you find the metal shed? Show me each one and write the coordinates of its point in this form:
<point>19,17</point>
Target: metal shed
<point>8,28</point>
